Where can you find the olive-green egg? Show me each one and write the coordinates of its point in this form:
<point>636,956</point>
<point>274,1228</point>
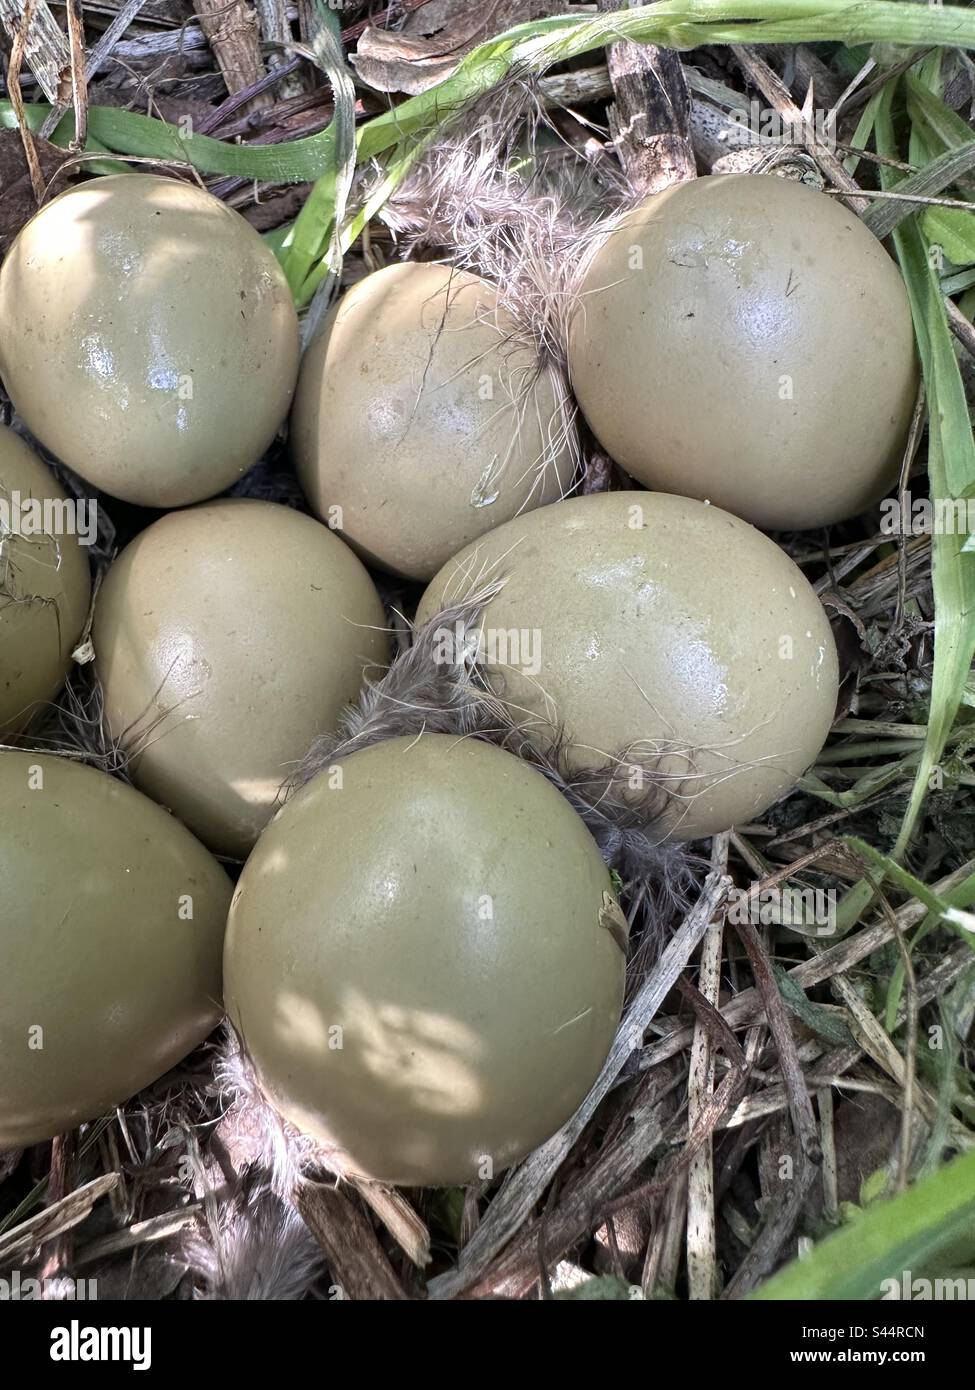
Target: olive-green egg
<point>425,960</point>
<point>422,419</point>
<point>746,340</point>
<point>149,338</point>
<point>45,584</point>
<point>662,635</point>
<point>111,936</point>
<point>227,637</point>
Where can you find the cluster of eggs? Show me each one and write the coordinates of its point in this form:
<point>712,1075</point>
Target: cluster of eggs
<point>424,952</point>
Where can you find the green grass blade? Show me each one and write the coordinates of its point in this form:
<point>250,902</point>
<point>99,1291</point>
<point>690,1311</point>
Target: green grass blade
<point>938,173</point>
<point>530,49</point>
<point>926,109</point>
<point>313,233</point>
<point>951,470</point>
<point>953,230</point>
<point>906,1233</point>
<point>948,908</point>
<point>127,132</point>
<point>861,136</point>
<point>962,897</point>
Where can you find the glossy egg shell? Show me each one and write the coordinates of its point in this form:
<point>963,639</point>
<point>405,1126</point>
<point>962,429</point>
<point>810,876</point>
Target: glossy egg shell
<point>425,960</point>
<point>746,340</point>
<point>110,944</point>
<point>660,632</point>
<point>423,420</point>
<point>227,637</point>
<point>150,340</point>
<point>45,585</point>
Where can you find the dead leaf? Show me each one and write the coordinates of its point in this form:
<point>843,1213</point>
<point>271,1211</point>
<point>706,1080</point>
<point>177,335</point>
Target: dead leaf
<point>17,202</point>
<point>434,39</point>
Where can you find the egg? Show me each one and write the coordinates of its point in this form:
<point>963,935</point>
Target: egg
<point>149,338</point>
<point>110,944</point>
<point>425,960</point>
<point>658,635</point>
<point>746,340</point>
<point>423,418</point>
<point>45,584</point>
<point>227,637</point>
